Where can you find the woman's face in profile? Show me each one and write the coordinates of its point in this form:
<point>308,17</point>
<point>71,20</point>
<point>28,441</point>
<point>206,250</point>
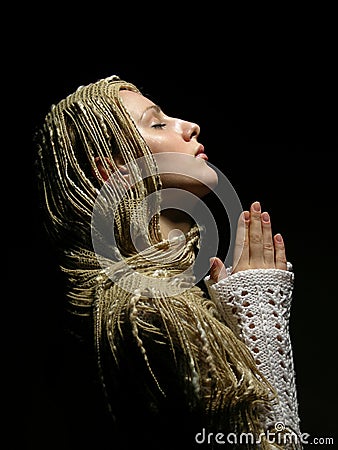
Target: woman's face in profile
<point>174,142</point>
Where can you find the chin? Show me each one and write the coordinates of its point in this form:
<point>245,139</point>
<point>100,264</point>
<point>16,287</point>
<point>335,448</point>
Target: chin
<point>186,172</point>
<point>199,183</point>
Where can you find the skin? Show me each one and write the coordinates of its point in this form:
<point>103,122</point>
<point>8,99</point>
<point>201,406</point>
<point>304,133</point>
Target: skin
<point>166,136</point>
<point>255,247</point>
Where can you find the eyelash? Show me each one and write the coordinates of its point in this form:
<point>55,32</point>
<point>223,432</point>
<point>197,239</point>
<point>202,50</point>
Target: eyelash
<point>158,125</point>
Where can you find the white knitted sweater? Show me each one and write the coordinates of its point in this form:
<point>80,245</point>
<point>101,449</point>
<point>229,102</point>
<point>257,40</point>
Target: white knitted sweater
<point>255,304</point>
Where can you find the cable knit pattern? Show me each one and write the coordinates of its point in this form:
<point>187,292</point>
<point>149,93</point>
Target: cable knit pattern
<point>255,304</point>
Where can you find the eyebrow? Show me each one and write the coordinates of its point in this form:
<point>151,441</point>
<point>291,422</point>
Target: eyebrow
<point>156,108</point>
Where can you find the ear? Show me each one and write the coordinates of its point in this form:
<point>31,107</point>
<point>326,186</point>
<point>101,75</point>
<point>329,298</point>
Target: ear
<point>106,168</point>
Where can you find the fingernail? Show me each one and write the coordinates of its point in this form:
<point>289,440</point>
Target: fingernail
<point>256,206</point>
<point>212,262</point>
<point>246,215</point>
<point>279,238</point>
<point>265,217</point>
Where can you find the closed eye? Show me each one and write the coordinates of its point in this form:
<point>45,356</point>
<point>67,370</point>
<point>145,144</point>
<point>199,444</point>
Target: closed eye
<point>158,125</point>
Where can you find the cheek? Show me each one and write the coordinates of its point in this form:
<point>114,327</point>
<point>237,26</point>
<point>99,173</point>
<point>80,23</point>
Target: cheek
<point>160,144</point>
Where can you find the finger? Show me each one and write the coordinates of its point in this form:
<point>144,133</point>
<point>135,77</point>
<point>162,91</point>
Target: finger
<point>268,245</point>
<point>280,256</point>
<point>217,270</point>
<point>241,249</point>
<point>256,236</point>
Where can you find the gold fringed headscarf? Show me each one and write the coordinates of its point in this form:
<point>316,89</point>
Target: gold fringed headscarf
<point>147,314</point>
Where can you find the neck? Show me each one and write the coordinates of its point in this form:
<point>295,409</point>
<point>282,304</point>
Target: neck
<point>173,219</point>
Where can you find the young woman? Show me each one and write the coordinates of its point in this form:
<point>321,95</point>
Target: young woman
<point>181,364</point>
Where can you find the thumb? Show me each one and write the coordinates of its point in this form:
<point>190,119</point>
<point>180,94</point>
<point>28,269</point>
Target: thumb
<point>217,270</point>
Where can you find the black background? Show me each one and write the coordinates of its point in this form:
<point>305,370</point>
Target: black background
<point>267,122</point>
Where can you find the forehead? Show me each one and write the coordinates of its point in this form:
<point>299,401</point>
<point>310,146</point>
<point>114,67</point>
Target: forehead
<point>135,103</point>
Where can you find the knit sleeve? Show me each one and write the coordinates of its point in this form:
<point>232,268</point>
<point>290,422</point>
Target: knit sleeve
<point>182,355</point>
<point>256,305</point>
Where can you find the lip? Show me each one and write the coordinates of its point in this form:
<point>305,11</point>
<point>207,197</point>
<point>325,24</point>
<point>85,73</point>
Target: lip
<point>200,153</point>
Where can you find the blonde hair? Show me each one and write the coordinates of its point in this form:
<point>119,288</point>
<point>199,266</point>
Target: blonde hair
<point>215,370</point>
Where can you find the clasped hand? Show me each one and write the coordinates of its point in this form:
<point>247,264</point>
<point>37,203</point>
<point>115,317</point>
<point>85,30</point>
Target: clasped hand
<point>255,245</point>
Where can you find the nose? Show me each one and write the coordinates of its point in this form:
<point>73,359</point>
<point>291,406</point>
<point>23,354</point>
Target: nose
<point>190,130</point>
